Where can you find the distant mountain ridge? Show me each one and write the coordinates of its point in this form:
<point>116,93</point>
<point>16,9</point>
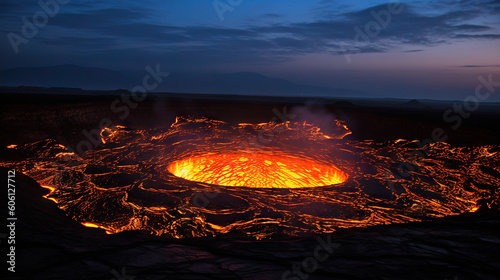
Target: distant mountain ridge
<point>64,76</point>
<point>242,83</point>
<point>247,83</point>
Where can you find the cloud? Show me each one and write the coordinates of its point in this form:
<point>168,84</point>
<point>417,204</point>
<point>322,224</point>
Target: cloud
<point>81,42</point>
<point>7,6</point>
<point>471,27</point>
<point>477,36</point>
<point>270,15</point>
<point>134,28</point>
<point>96,20</point>
<point>412,51</point>
<point>478,66</point>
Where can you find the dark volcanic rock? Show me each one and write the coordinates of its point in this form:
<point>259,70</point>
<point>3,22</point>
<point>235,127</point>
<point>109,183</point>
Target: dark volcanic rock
<point>50,245</point>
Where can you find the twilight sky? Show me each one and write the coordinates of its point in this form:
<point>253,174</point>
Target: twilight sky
<point>426,49</point>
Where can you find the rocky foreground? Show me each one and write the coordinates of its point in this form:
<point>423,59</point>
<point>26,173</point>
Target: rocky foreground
<point>50,245</point>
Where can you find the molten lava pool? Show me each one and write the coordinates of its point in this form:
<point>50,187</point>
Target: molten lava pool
<point>257,170</point>
<point>202,177</point>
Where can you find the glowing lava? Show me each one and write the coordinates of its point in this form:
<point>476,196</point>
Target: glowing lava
<point>51,189</point>
<point>202,177</point>
<point>257,171</point>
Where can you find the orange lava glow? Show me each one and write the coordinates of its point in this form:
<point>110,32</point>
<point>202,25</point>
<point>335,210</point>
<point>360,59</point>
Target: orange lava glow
<point>51,189</point>
<point>206,178</point>
<point>257,171</point>
<point>91,225</point>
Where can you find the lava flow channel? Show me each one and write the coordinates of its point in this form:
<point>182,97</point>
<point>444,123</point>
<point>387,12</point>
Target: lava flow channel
<point>257,171</point>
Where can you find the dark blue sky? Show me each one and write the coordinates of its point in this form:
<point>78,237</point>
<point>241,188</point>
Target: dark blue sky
<point>428,49</point>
